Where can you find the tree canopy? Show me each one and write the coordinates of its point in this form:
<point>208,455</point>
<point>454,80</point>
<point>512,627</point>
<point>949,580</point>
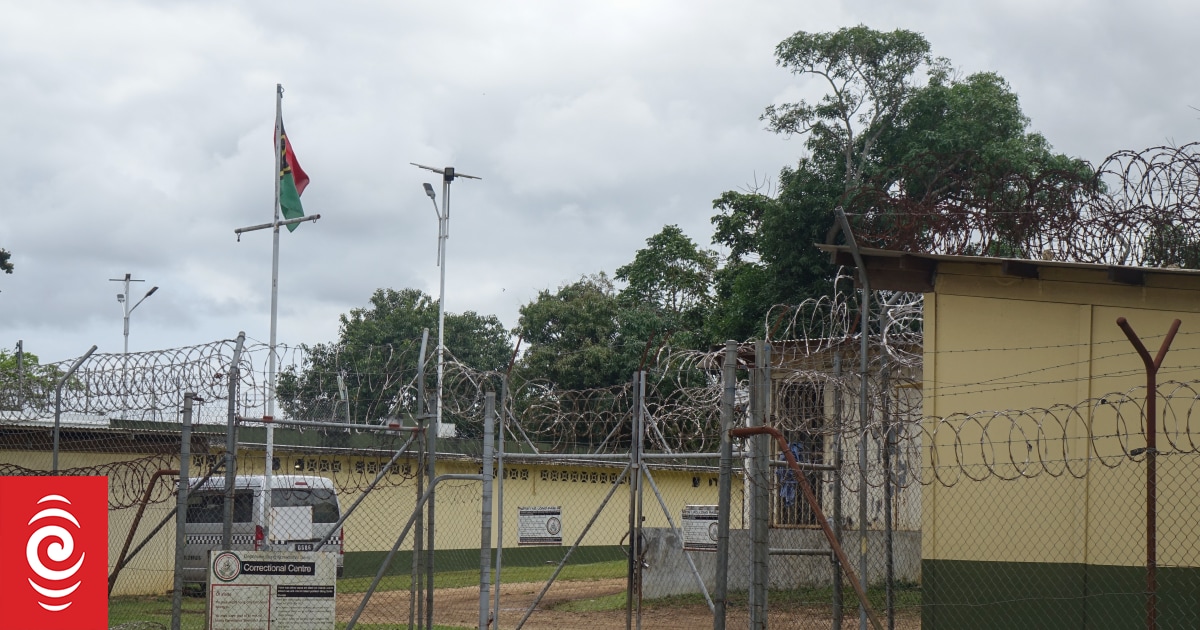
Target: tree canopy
<point>583,335</point>
<point>898,135</point>
<point>27,383</point>
<point>376,357</point>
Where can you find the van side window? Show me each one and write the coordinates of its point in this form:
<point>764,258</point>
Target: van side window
<point>209,506</point>
<point>323,502</point>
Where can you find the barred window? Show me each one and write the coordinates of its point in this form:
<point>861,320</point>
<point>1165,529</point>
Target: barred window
<point>799,412</point>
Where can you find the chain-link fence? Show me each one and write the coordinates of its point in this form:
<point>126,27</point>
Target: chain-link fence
<point>606,505</point>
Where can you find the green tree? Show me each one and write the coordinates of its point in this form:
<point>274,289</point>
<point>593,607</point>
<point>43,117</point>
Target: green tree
<point>673,277</point>
<point>5,264</point>
<point>375,358</point>
<point>1171,245</point>
<point>583,336</point>
<point>889,143</point>
<point>29,385</point>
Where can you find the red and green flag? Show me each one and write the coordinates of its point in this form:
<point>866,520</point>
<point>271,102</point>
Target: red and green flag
<point>292,181</point>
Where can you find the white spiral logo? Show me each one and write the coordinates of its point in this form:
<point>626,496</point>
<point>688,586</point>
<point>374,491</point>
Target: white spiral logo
<point>59,551</point>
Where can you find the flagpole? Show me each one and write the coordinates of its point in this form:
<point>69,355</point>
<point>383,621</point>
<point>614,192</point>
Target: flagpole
<point>270,457</point>
<point>269,416</point>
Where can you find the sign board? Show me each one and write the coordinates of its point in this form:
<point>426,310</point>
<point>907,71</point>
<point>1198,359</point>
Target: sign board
<point>271,590</point>
<point>699,524</point>
<point>539,525</point>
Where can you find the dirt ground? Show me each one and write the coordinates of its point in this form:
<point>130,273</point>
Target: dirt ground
<point>460,607</point>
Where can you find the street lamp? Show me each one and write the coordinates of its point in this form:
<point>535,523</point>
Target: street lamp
<point>448,174</point>
<point>123,299</point>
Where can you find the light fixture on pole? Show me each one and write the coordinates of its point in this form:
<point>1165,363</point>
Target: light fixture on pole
<point>124,299</point>
<point>440,429</point>
<point>448,174</point>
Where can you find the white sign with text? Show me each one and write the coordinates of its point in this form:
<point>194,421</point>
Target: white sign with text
<point>271,590</point>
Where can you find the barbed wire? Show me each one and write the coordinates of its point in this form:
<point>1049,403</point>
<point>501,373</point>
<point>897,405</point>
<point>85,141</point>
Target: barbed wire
<point>1135,208</point>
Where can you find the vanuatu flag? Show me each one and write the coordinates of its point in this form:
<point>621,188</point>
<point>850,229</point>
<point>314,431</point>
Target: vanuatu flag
<point>292,181</point>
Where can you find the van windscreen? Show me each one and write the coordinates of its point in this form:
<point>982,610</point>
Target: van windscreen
<point>208,506</point>
<point>323,501</point>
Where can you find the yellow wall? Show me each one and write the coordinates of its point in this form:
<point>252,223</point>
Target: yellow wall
<point>150,571</point>
<point>997,343</point>
<point>378,521</point>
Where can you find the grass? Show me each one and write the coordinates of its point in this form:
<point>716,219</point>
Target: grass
<point>158,608</point>
<point>509,575</point>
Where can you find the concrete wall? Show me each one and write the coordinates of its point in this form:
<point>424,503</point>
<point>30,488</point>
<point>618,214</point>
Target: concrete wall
<point>670,574</point>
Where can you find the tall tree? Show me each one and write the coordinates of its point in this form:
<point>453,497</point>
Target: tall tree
<point>896,136</point>
<point>673,277</point>
<point>582,336</point>
<point>870,76</point>
<point>376,356</point>
<point>5,264</point>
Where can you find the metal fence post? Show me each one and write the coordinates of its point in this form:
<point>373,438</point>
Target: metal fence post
<point>888,546</point>
<point>181,498</point>
<point>58,403</point>
<point>485,520</point>
<point>837,488</point>
<point>760,509</point>
<point>725,481</point>
<point>499,513</point>
<point>416,607</point>
<point>633,586</point>
<point>1152,366</point>
<point>231,445</point>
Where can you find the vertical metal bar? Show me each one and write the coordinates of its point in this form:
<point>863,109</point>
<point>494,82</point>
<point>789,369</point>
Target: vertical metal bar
<point>837,487</point>
<point>888,546</point>
<point>58,403</point>
<point>634,476</point>
<point>485,519</point>
<point>760,487</point>
<point>1152,366</point>
<point>181,499</point>
<point>231,444</point>
<point>20,374</point>
<point>416,606</point>
<point>864,319</point>
<point>500,499</point>
<point>724,486</point>
<point>640,412</point>
<point>431,474</point>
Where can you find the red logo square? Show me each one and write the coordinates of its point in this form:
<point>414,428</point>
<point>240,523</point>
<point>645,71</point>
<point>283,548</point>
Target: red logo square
<point>54,552</point>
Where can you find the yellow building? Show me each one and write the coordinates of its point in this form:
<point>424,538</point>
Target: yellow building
<point>1035,512</point>
<point>130,455</point>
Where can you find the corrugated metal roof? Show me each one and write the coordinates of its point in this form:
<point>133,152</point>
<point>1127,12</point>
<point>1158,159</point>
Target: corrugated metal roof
<point>907,271</point>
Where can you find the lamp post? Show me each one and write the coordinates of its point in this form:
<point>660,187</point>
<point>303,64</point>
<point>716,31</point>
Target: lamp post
<point>124,299</point>
<point>448,175</point>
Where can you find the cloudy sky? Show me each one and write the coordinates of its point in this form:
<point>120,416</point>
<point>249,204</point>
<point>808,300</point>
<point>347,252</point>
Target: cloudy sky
<point>135,136</point>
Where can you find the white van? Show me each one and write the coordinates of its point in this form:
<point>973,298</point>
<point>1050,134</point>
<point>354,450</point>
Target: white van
<point>304,510</point>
